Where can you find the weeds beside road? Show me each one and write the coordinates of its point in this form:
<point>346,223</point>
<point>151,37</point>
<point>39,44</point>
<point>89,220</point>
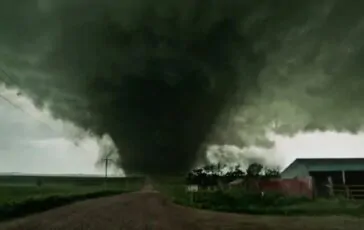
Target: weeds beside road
<point>240,201</point>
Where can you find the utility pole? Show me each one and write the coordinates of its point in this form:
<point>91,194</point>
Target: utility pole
<point>107,160</point>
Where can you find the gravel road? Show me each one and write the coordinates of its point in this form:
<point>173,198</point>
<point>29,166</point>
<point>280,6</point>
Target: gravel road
<point>149,209</point>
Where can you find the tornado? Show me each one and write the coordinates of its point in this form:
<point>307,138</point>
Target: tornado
<point>164,79</point>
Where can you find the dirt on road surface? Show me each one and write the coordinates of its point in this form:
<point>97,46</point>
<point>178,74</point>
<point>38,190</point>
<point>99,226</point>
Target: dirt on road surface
<point>149,209</point>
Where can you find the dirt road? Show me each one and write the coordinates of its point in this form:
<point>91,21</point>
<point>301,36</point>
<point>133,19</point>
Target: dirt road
<point>150,210</point>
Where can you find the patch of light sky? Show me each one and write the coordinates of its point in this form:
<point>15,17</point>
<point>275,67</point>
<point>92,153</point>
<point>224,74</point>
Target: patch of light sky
<point>32,142</point>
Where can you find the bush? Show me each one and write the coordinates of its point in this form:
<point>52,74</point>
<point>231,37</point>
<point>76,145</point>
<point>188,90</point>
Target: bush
<point>271,204</point>
<point>243,202</point>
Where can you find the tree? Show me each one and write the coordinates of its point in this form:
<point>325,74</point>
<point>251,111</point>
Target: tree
<point>207,175</point>
<point>210,175</point>
<point>271,173</point>
<point>254,170</point>
<point>234,173</point>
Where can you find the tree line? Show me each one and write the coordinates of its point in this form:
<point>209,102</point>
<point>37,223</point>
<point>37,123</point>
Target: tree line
<point>213,174</point>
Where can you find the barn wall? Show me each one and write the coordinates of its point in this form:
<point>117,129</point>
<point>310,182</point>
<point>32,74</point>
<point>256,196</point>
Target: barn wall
<point>301,187</point>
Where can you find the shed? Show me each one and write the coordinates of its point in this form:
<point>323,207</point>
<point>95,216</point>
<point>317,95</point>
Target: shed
<point>341,172</point>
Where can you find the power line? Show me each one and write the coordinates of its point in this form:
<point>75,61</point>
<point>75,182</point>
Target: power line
<point>19,107</point>
<point>35,118</point>
<point>6,75</point>
<point>9,78</point>
<point>27,113</point>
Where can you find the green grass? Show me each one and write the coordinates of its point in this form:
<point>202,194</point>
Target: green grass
<point>15,209</point>
<point>19,192</point>
<point>16,193</point>
<point>21,200</point>
<point>238,201</point>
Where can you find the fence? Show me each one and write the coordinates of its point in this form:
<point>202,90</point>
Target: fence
<point>349,191</point>
<point>289,187</point>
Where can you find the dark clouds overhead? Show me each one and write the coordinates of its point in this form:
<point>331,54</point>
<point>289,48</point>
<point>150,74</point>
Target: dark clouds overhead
<point>161,77</point>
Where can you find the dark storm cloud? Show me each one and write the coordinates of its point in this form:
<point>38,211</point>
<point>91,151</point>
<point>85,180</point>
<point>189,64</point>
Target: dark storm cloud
<point>161,77</point>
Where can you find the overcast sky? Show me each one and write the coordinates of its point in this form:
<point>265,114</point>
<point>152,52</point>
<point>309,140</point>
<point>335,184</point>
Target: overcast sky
<point>27,145</point>
<point>32,142</point>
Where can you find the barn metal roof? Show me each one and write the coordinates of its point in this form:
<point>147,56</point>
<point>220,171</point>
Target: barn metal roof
<point>329,164</point>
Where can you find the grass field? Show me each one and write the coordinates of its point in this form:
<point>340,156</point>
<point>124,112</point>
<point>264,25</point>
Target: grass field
<point>19,193</point>
<point>23,195</point>
<point>14,188</point>
<point>240,201</point>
